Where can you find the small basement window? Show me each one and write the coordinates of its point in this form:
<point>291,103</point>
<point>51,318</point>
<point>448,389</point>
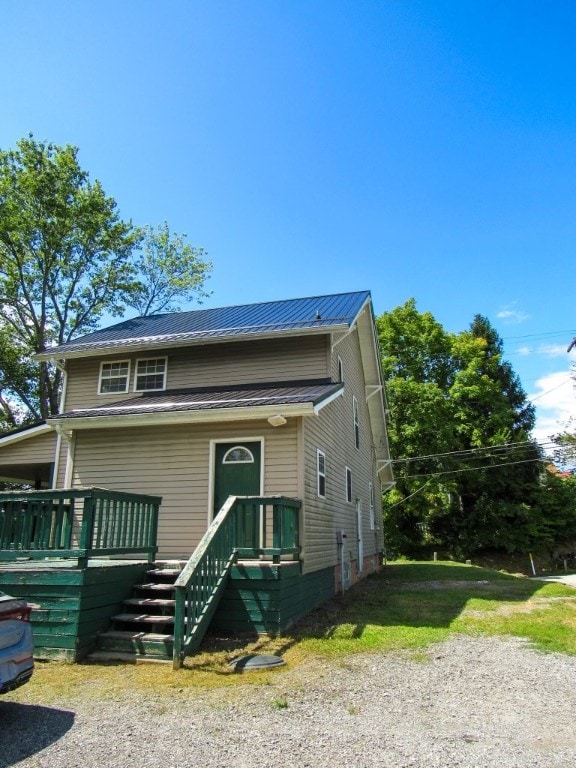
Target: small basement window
<point>114,377</point>
<point>150,375</point>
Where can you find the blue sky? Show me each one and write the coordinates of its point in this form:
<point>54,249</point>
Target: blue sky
<point>416,148</point>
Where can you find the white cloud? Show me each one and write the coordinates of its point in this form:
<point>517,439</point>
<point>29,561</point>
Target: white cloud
<point>524,351</point>
<point>552,350</point>
<point>512,315</point>
<point>555,402</point>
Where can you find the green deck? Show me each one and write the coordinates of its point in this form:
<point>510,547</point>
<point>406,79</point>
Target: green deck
<point>72,605</point>
<point>267,598</point>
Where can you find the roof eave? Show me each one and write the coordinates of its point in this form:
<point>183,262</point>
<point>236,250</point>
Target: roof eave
<point>182,417</point>
<point>25,434</point>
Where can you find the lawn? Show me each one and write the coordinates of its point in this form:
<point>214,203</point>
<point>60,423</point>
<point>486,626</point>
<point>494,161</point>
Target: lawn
<point>404,608</point>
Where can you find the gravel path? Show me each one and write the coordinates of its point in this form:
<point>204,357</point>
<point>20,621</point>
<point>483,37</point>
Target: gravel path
<point>473,703</point>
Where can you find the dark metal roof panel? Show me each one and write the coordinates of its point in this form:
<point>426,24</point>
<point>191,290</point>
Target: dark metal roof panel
<point>250,319</point>
<point>207,399</point>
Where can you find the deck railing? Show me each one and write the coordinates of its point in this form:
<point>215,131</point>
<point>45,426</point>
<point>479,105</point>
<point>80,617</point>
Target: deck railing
<point>248,527</point>
<point>77,523</point>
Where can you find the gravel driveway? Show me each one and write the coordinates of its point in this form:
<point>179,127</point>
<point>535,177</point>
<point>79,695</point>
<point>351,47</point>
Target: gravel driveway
<point>474,702</point>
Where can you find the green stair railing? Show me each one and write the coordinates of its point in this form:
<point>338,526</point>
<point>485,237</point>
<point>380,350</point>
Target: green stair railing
<point>77,523</point>
<point>247,527</point>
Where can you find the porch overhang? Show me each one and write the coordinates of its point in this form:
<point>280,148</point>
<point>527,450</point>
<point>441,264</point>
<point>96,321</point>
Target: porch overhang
<point>197,406</point>
<point>27,455</point>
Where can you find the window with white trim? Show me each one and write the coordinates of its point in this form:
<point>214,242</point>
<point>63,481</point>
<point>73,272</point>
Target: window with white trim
<point>150,375</point>
<point>348,481</point>
<point>114,377</point>
<point>340,369</point>
<point>371,497</point>
<point>321,473</point>
<point>356,422</point>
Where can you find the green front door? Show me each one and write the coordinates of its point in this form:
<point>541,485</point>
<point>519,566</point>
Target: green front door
<point>237,471</point>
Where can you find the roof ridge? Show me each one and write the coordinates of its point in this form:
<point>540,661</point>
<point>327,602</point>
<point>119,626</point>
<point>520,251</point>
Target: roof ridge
<point>255,304</point>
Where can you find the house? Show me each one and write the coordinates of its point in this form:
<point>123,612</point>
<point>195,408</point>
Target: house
<point>277,399</point>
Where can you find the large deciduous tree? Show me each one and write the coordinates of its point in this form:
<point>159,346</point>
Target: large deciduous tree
<point>467,471</point>
<point>66,259</point>
<point>169,269</point>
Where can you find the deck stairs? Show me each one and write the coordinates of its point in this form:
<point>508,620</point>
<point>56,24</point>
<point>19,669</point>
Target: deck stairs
<point>143,630</point>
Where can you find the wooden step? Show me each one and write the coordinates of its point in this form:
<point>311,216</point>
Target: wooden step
<point>155,587</point>
<point>167,572</point>
<point>143,618</point>
<point>150,602</point>
<point>154,645</point>
<point>128,658</point>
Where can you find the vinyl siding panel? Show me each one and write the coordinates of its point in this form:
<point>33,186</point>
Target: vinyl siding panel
<point>290,359</point>
<point>332,431</point>
<point>38,449</point>
<point>174,462</point>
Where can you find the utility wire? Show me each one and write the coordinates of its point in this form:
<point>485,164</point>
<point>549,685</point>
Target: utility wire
<point>430,475</point>
<point>465,453</point>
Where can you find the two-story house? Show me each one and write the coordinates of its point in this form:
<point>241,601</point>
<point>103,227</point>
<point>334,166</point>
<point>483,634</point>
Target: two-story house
<point>283,398</point>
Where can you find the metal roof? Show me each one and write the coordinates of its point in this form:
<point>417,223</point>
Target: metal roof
<point>214,398</point>
<point>264,319</point>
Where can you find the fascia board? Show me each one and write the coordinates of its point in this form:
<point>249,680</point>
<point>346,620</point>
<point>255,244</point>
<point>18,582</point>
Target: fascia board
<point>323,403</point>
<point>160,343</point>
<point>182,417</point>
<point>25,435</point>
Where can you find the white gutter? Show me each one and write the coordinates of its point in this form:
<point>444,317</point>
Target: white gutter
<point>183,417</point>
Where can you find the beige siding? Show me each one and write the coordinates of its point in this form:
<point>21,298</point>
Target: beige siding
<point>37,449</point>
<point>211,365</point>
<point>174,462</point>
<point>332,431</point>
<point>28,459</point>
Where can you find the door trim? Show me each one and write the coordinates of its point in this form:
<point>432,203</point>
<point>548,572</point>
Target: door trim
<point>212,466</point>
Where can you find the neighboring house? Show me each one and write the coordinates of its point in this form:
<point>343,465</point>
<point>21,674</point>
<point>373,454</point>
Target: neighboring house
<point>278,398</point>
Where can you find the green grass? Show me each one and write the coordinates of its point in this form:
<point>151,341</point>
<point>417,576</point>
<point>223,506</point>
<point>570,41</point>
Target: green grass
<point>409,606</point>
<point>405,608</point>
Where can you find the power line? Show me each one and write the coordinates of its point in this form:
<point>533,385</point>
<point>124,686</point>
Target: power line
<point>430,475</point>
<point>466,453</point>
<point>551,390</point>
<point>539,335</point>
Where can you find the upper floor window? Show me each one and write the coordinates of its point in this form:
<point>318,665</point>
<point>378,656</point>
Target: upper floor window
<point>114,377</point>
<point>340,369</point>
<point>321,473</point>
<point>150,375</point>
<point>356,422</point>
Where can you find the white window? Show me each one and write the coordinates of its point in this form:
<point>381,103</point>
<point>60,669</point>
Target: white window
<point>114,377</point>
<point>348,480</point>
<point>356,422</point>
<point>371,496</point>
<point>321,473</point>
<point>340,369</point>
<point>150,375</point>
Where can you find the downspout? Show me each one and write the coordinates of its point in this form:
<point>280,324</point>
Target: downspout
<point>61,404</point>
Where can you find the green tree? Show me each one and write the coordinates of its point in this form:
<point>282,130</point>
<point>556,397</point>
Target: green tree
<point>466,469</point>
<point>169,269</point>
<point>66,259</point>
<point>418,369</point>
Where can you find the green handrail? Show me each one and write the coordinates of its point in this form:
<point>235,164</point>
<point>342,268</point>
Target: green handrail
<point>77,522</point>
<point>239,529</point>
